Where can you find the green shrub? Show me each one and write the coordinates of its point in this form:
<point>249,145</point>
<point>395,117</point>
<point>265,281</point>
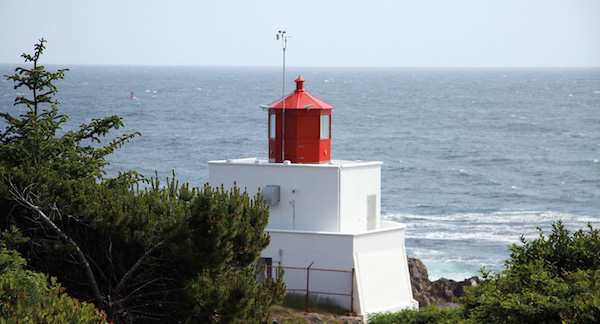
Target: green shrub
<point>430,314</point>
<point>30,297</point>
<point>551,279</point>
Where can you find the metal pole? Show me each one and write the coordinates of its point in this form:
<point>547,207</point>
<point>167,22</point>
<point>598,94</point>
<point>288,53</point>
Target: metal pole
<point>352,293</point>
<point>265,272</point>
<point>308,284</point>
<point>284,46</point>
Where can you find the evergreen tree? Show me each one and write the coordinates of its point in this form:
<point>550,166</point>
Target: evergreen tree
<point>162,253</point>
<point>30,140</point>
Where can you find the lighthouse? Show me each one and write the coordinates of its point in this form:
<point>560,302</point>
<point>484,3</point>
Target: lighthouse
<point>302,130</point>
<point>325,222</point>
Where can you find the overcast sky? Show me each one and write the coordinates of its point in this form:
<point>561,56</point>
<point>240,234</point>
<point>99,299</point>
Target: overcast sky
<point>399,33</point>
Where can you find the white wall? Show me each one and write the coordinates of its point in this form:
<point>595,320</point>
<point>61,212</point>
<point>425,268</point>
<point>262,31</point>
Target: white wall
<point>381,283</point>
<point>327,251</point>
<point>309,193</point>
<point>356,184</point>
<point>313,196</point>
<point>330,228</point>
<point>383,278</point>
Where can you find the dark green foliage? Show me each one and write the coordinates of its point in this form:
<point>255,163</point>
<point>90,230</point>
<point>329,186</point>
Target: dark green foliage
<point>228,218</point>
<point>560,252</point>
<point>161,254</point>
<point>428,315</point>
<point>223,296</point>
<point>552,279</point>
<point>228,226</point>
<point>30,297</point>
<point>31,139</point>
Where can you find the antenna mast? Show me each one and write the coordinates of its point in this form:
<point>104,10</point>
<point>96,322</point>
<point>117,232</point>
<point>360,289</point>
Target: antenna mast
<point>282,34</point>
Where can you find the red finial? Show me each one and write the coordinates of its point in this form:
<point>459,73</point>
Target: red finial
<point>300,84</point>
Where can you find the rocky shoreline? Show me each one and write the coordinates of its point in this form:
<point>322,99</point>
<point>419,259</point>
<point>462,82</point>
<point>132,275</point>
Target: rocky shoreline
<point>440,292</point>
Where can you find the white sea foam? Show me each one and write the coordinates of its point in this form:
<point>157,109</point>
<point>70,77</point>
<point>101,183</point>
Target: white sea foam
<point>478,240</point>
<point>496,217</point>
<point>440,264</point>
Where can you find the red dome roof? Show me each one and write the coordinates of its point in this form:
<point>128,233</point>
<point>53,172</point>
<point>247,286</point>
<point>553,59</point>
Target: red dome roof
<point>299,99</point>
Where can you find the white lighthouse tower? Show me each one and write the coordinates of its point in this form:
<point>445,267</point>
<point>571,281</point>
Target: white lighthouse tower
<point>325,224</point>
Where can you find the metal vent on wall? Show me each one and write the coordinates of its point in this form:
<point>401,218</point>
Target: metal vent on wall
<point>271,194</point>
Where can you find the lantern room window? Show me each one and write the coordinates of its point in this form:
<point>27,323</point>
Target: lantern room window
<point>272,125</point>
<point>325,126</point>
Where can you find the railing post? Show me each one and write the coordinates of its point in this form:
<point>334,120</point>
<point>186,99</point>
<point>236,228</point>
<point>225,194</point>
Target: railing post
<point>308,285</point>
<point>352,293</point>
<point>265,271</point>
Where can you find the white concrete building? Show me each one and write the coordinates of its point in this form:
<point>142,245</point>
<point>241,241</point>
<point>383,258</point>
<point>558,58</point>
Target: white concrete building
<point>324,214</point>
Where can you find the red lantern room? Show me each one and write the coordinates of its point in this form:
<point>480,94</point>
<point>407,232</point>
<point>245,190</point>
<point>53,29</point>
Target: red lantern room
<point>306,137</point>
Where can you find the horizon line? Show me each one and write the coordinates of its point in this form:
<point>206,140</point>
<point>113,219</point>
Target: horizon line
<point>321,66</point>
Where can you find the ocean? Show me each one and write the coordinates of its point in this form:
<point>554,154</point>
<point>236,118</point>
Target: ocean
<point>472,158</point>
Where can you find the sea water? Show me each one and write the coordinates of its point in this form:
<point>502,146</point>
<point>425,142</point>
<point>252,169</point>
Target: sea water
<point>473,158</point>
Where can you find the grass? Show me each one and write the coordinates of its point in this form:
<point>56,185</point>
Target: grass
<point>286,315</point>
<point>317,304</point>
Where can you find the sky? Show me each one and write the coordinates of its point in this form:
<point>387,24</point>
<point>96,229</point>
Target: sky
<point>374,33</point>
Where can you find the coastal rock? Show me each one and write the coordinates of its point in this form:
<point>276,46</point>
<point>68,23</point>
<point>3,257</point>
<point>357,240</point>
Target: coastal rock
<point>440,292</point>
<point>419,278</point>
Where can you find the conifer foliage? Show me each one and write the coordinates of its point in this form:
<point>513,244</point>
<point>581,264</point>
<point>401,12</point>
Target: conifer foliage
<point>554,278</point>
<point>30,297</point>
<point>551,279</point>
<point>159,254</point>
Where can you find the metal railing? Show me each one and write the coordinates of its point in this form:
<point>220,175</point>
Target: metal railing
<point>308,291</point>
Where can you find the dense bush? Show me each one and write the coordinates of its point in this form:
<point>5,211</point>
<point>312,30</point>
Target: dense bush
<point>551,279</point>
<point>30,297</point>
<point>429,314</point>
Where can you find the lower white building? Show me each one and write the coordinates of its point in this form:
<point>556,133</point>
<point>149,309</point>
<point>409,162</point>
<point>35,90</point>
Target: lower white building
<point>325,226</point>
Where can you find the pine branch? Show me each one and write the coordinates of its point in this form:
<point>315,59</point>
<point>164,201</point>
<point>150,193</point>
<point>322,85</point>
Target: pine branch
<point>137,264</point>
<point>25,198</point>
<point>134,294</point>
